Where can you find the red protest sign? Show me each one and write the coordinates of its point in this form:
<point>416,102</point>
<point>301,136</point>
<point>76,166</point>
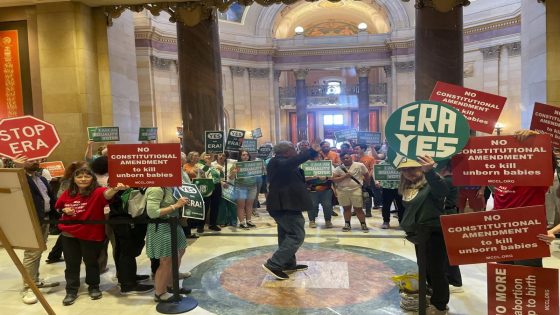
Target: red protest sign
<point>27,136</point>
<point>145,165</point>
<point>481,109</point>
<point>521,290</point>
<point>504,160</point>
<point>546,119</point>
<point>507,234</point>
<point>56,168</point>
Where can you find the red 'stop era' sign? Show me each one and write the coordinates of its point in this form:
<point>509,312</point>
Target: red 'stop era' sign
<point>145,165</point>
<point>546,119</point>
<point>27,136</point>
<point>522,290</point>
<point>504,160</point>
<point>481,109</point>
<point>498,235</point>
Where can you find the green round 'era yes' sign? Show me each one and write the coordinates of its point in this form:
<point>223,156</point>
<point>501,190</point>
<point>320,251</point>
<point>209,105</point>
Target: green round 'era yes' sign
<point>427,128</point>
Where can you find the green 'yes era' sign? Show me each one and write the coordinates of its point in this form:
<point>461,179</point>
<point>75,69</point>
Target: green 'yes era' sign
<point>427,128</point>
<point>103,134</point>
<point>317,168</point>
<point>386,172</point>
<point>250,168</point>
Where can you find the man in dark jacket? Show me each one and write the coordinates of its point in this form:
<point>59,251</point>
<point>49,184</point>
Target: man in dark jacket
<point>43,200</point>
<point>286,197</point>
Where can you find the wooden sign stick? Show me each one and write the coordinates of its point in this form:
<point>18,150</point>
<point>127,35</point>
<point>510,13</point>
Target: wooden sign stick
<point>6,244</point>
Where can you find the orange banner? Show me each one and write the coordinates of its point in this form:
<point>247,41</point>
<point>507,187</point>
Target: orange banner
<point>11,98</point>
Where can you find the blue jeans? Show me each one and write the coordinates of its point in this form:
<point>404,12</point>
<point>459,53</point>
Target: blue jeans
<point>325,199</point>
<point>291,233</point>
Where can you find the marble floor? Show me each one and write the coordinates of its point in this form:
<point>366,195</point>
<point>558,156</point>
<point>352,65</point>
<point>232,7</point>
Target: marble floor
<point>349,274</point>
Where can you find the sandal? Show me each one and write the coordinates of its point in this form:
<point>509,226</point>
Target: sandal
<point>181,290</point>
<point>159,298</point>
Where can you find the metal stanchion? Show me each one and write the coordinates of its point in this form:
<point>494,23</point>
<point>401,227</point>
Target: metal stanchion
<point>423,233</point>
<point>180,303</point>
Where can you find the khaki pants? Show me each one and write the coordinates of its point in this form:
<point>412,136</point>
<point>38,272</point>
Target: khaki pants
<point>32,258</point>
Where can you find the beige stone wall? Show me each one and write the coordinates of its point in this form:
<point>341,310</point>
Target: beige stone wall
<point>122,100</point>
<point>69,72</point>
<point>553,52</point>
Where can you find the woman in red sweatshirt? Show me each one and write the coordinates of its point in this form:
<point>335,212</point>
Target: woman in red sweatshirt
<point>84,200</point>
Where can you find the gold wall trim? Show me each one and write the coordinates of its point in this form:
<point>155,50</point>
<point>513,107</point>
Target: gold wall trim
<point>493,26</point>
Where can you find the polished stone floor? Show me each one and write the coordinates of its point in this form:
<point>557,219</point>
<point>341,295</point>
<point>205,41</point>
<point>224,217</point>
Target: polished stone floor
<point>349,273</point>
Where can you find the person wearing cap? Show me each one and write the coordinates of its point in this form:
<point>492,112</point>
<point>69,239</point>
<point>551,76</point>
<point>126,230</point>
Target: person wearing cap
<point>424,192</point>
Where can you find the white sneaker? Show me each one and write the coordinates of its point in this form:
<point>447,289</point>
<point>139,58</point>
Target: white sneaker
<point>185,275</point>
<point>454,289</point>
<point>28,297</point>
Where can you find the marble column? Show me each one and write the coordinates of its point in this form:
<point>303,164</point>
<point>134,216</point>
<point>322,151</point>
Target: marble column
<point>388,69</point>
<point>200,75</point>
<point>552,52</point>
<point>491,70</point>
<point>301,103</point>
<point>363,97</point>
<point>438,44</point>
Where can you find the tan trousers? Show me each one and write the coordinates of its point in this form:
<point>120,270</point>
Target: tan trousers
<point>32,258</point>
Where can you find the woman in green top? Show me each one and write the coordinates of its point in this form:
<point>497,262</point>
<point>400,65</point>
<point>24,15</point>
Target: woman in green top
<point>161,204</point>
<point>424,192</point>
<point>211,200</point>
<point>245,192</point>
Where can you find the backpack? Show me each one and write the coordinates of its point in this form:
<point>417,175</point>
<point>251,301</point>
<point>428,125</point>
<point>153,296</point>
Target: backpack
<point>134,201</point>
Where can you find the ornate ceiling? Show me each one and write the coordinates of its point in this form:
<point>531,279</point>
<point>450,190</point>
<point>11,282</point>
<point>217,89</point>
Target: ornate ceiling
<point>344,16</point>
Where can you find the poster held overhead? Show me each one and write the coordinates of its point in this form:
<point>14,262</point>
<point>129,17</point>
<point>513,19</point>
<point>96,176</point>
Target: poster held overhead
<point>234,139</point>
<point>214,141</point>
<point>427,128</point>
<point>546,119</point>
<point>145,165</point>
<point>147,134</point>
<point>504,160</point>
<point>103,134</point>
<point>28,136</point>
<point>481,109</point>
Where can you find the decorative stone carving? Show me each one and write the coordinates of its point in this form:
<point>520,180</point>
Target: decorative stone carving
<point>404,66</point>
<point>440,5</point>
<point>301,73</point>
<point>363,72</point>
<point>468,70</point>
<point>237,71</point>
<point>388,70</point>
<point>258,73</point>
<point>514,49</point>
<point>491,52</point>
<point>162,63</point>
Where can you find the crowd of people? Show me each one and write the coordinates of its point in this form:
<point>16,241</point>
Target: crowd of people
<point>423,193</point>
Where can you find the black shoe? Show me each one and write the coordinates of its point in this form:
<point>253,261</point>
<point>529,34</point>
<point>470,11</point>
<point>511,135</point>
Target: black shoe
<point>69,299</point>
<point>94,293</point>
<point>142,278</point>
<point>136,289</point>
<point>214,228</point>
<point>181,290</point>
<point>54,260</point>
<point>368,215</point>
<point>251,225</point>
<point>161,299</point>
<point>334,214</point>
<point>243,226</point>
<point>199,230</point>
<point>192,236</point>
<point>277,273</point>
<point>296,268</point>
